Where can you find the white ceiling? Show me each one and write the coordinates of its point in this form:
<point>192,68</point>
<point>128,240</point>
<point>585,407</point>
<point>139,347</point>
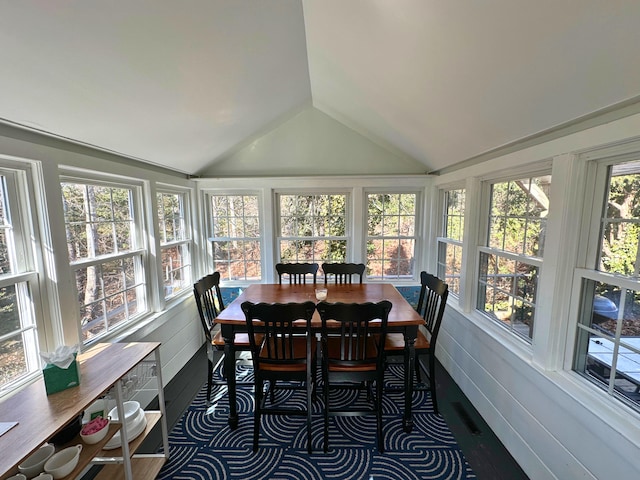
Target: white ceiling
<point>181,84</point>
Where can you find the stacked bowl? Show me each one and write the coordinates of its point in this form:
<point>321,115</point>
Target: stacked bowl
<point>135,422</point>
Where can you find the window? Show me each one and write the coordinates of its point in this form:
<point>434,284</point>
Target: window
<point>391,235</point>
<point>175,242</point>
<point>313,228</point>
<point>608,331</point>
<point>106,252</point>
<point>510,262</point>
<point>450,243</point>
<point>19,291</point>
<point>236,236</point>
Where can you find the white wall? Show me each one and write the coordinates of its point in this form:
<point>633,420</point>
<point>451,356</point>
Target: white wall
<point>312,143</point>
<point>176,325</point>
<point>554,422</point>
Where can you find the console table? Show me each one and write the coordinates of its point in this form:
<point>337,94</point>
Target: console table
<point>39,416</point>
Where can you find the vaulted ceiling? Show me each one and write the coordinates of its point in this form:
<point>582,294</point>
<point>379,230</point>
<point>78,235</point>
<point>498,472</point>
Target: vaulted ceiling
<point>182,83</point>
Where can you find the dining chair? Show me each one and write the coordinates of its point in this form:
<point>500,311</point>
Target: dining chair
<point>352,357</point>
<point>286,352</point>
<point>343,272</point>
<point>431,304</point>
<point>209,302</point>
<point>297,272</point>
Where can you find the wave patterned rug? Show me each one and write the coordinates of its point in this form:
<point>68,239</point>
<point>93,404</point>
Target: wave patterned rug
<point>202,446</point>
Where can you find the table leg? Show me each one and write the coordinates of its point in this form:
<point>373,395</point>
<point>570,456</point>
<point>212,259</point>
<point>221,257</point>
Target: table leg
<point>410,334</point>
<point>230,373</point>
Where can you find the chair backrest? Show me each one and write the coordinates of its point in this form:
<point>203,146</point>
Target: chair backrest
<point>297,272</point>
<point>208,300</point>
<point>280,324</point>
<point>343,272</point>
<point>431,303</point>
<point>354,333</point>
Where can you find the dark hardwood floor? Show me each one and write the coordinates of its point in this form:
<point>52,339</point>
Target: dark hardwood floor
<point>485,453</point>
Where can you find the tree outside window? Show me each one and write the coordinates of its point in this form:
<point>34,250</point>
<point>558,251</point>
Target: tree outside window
<point>236,237</point>
<point>313,228</point>
<point>391,236</point>
<point>175,242</point>
<point>608,330</point>
<point>511,261</point>
<point>105,253</point>
<point>450,241</point>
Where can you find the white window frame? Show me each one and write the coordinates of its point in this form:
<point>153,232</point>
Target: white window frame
<point>348,237</point>
<point>483,248</point>
<point>417,236</point>
<point>27,267</point>
<point>139,252</point>
<point>444,241</point>
<point>211,239</point>
<point>587,272</point>
<point>184,244</point>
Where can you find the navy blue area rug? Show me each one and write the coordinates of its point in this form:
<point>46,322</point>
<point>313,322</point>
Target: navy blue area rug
<point>202,446</point>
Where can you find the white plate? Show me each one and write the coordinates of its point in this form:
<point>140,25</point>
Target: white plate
<point>133,431</point>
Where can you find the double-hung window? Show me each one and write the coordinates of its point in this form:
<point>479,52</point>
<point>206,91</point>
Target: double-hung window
<point>511,259</point>
<point>607,348</point>
<point>313,228</point>
<point>391,235</point>
<point>175,241</point>
<point>235,224</point>
<point>450,241</point>
<point>19,290</point>
<point>107,252</point>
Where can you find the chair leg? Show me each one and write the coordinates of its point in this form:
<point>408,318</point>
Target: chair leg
<point>209,379</point>
<point>432,383</point>
<point>378,406</point>
<point>325,391</point>
<point>257,410</point>
<point>310,390</point>
<point>417,369</point>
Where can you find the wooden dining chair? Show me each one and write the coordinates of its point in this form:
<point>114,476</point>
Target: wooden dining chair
<point>297,272</point>
<point>343,272</point>
<point>431,304</point>
<point>352,357</point>
<point>209,302</point>
<point>286,353</point>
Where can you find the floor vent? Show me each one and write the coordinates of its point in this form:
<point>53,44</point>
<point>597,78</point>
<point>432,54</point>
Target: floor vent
<point>466,418</point>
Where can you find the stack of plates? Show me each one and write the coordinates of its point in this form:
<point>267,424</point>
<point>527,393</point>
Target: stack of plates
<point>135,423</point>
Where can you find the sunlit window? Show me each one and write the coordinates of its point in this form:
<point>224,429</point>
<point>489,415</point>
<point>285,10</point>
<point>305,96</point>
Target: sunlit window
<point>391,236</point>
<point>511,260</point>
<point>106,253</point>
<point>450,241</point>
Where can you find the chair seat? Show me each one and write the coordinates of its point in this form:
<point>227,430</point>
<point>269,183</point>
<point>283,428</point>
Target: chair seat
<point>395,341</point>
<point>364,365</point>
<point>298,360</point>
<point>241,340</point>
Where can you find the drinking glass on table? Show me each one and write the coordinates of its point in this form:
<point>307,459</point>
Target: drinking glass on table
<point>321,294</point>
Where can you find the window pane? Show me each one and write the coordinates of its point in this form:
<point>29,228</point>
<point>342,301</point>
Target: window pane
<point>313,228</point>
<point>507,292</point>
<point>176,269</point>
<point>518,208</point>
<point>608,340</point>
<point>391,224</point>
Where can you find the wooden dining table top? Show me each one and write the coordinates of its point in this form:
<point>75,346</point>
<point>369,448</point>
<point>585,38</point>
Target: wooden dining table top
<point>402,313</point>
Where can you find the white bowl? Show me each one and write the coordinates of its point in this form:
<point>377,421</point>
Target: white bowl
<point>44,476</point>
<point>95,437</point>
<point>17,476</point>
<point>34,463</point>
<point>62,463</point>
<point>131,410</point>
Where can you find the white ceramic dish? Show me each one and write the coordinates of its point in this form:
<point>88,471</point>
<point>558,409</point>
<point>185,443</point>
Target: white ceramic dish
<point>135,428</point>
<point>34,463</point>
<point>17,476</point>
<point>62,463</point>
<point>44,476</point>
<point>131,411</point>
<point>95,437</point>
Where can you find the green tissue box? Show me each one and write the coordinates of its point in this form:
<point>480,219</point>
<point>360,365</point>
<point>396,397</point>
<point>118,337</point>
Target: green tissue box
<point>57,379</point>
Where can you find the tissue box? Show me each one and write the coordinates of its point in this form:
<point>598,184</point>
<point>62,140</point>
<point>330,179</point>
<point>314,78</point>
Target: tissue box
<point>57,379</point>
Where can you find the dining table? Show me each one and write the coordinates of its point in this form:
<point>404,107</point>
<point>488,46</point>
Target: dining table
<point>402,318</point>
